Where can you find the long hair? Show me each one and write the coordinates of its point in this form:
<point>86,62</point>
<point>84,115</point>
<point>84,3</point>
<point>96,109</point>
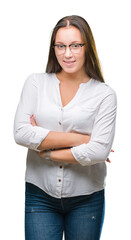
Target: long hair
<point>92,64</point>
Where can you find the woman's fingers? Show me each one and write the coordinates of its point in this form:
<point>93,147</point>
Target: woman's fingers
<point>32,121</point>
<point>108,160</point>
<point>41,154</point>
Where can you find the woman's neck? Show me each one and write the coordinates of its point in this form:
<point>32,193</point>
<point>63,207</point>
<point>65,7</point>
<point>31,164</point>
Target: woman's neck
<point>78,77</point>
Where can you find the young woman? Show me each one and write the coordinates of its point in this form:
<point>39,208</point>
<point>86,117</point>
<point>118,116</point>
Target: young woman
<point>66,119</point>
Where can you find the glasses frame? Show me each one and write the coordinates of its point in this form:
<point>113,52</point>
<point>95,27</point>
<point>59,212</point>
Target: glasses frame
<point>65,46</point>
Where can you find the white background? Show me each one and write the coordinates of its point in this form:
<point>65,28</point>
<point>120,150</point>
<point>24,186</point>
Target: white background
<point>25,32</point>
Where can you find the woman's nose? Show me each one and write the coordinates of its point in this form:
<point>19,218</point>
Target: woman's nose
<point>68,52</point>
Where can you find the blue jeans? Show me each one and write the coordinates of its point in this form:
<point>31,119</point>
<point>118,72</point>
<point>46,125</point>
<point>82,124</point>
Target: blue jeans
<point>47,218</point>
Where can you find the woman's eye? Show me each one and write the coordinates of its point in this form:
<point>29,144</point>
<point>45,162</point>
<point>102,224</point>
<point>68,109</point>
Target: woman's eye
<point>75,45</point>
<point>60,46</point>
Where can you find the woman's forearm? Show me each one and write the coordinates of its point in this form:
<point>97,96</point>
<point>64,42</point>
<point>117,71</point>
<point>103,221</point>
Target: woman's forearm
<point>57,140</point>
<point>62,156</point>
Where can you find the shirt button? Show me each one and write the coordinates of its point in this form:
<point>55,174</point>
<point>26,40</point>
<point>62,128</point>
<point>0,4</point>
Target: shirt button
<point>59,180</point>
<point>59,123</point>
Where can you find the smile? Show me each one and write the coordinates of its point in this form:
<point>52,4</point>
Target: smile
<point>69,63</point>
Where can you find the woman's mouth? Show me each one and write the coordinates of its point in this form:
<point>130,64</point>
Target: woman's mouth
<point>69,63</point>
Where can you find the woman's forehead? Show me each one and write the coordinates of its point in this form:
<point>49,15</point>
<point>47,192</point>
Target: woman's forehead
<point>68,34</point>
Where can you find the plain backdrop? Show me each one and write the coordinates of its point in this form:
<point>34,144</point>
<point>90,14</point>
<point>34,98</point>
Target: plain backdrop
<point>25,30</point>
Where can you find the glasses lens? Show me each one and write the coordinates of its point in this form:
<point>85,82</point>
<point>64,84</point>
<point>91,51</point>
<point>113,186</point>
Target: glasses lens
<point>60,48</point>
<point>75,48</point>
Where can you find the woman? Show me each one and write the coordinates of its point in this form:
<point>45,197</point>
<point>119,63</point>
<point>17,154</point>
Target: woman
<point>66,118</point>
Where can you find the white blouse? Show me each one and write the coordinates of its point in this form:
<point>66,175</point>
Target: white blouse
<point>92,111</point>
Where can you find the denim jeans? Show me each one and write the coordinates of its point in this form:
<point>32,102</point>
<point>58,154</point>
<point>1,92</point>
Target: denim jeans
<point>48,218</point>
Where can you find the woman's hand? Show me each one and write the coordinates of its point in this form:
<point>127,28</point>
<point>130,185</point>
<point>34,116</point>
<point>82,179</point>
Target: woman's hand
<point>108,160</point>
<point>32,121</point>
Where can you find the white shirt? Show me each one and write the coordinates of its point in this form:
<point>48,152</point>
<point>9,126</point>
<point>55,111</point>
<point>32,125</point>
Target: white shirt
<point>92,111</point>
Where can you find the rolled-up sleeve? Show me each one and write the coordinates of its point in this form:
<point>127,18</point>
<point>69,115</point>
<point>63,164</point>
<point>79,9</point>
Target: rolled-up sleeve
<point>99,146</point>
<point>24,133</point>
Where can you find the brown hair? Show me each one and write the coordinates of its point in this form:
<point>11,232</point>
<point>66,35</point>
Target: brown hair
<point>92,64</point>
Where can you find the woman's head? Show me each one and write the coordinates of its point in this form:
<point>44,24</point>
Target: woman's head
<point>70,30</point>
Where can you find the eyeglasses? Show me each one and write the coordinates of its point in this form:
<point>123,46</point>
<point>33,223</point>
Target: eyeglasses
<point>74,48</point>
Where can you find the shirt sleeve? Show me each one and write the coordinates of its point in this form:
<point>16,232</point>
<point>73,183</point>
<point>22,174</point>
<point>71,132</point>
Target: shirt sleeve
<point>24,133</point>
<point>99,146</point>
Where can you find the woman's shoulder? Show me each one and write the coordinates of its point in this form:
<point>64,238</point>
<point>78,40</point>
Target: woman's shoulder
<point>103,87</point>
<point>39,78</point>
<point>104,93</point>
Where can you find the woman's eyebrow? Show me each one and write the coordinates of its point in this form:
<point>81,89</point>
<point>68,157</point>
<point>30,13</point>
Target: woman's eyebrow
<point>59,43</point>
<point>76,41</point>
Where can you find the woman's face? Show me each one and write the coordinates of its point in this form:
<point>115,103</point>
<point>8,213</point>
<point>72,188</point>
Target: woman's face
<point>71,60</point>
